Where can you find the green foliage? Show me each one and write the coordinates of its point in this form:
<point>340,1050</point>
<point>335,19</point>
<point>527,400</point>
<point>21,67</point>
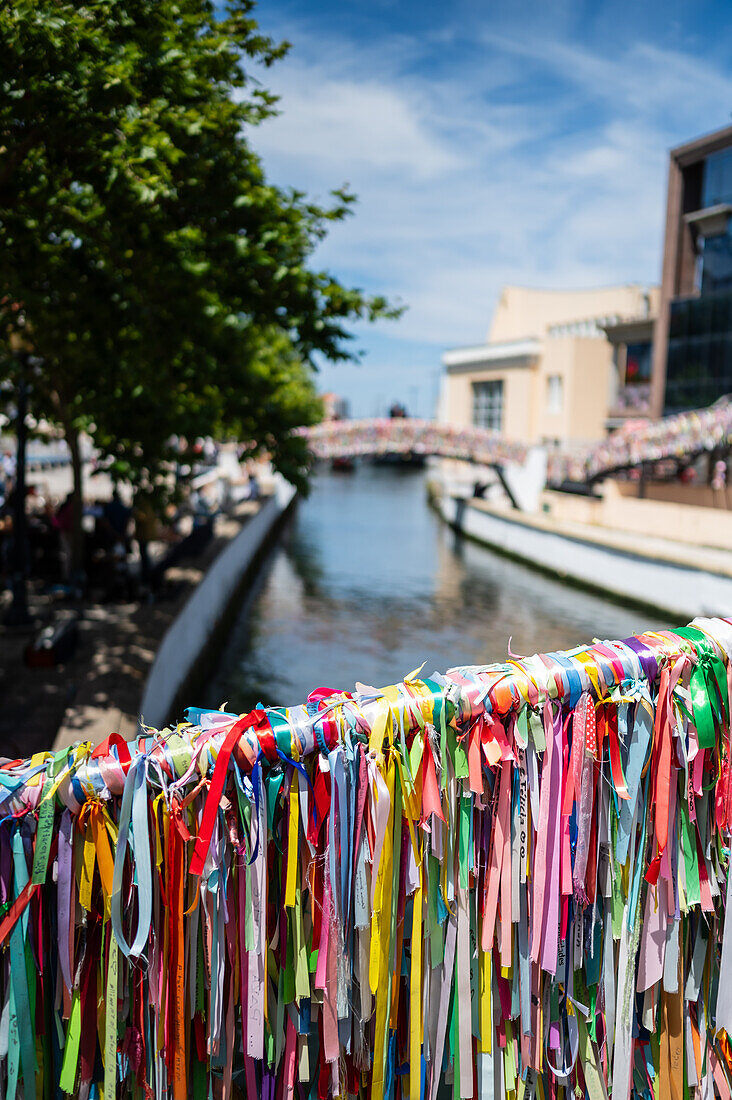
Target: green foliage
<point>164,281</point>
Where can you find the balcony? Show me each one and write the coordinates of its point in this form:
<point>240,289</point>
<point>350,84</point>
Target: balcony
<point>631,401</point>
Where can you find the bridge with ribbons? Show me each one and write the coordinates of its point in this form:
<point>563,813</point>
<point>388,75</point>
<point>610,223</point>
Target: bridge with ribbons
<point>336,439</point>
<point>678,439</point>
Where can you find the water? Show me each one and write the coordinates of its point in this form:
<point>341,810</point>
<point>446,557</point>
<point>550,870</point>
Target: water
<point>367,583</point>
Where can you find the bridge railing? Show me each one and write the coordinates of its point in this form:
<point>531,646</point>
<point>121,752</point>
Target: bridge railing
<point>510,877</point>
<point>355,438</point>
<point>683,436</point>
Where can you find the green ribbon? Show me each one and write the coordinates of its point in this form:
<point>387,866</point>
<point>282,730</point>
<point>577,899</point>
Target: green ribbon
<point>273,782</point>
<point>281,730</point>
<point>46,810</point>
<point>688,849</point>
<point>708,686</point>
<point>437,943</point>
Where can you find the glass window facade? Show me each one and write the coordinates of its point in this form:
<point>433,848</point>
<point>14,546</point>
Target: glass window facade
<point>488,404</point>
<point>716,263</point>
<point>699,368</point>
<point>717,185</point>
<point>699,365</point>
<point>716,252</point>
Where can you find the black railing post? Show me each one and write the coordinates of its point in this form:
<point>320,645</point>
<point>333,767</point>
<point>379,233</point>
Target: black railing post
<point>18,614</point>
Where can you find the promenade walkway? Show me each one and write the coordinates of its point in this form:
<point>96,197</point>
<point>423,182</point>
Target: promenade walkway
<point>98,690</point>
<point>675,552</point>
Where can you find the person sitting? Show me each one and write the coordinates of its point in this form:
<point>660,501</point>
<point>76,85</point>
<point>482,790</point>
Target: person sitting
<point>146,529</point>
<point>63,522</point>
<point>115,520</point>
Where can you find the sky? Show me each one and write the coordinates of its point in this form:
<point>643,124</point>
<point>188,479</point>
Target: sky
<point>488,143</point>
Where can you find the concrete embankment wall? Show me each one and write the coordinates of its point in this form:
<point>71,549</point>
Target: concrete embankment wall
<point>189,648</point>
<point>672,518</point>
<point>650,580</point>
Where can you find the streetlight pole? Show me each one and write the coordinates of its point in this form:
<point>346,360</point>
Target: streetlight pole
<point>18,614</point>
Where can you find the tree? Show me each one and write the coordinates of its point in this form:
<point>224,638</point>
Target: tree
<point>166,283</point>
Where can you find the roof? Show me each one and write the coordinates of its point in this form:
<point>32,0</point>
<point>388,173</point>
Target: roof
<point>503,351</point>
<point>625,330</point>
<point>700,147</point>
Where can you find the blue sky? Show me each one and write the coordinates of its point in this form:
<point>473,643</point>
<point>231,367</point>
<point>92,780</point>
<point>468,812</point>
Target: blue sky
<point>488,143</point>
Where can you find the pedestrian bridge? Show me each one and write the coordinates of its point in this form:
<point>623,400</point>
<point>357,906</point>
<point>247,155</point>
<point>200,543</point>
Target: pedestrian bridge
<point>334,439</point>
<point>680,438</point>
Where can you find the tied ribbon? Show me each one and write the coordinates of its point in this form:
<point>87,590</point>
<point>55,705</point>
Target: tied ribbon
<point>708,687</point>
<point>584,752</point>
<point>662,749</point>
<point>256,720</point>
<point>16,910</point>
<point>104,748</point>
<point>134,813</point>
<point>327,927</point>
<point>616,763</point>
<point>97,851</point>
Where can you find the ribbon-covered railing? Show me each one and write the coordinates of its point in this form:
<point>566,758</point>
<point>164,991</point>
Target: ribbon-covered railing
<point>506,881</point>
<point>402,436</point>
<point>681,436</point>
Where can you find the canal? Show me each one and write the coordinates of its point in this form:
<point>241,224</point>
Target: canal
<point>366,583</point>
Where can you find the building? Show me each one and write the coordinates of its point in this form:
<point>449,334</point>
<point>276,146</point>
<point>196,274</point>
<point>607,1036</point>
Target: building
<point>692,355</point>
<point>335,407</point>
<point>558,366</point>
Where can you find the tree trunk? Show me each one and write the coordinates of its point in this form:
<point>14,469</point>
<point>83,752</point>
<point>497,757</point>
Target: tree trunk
<point>77,511</point>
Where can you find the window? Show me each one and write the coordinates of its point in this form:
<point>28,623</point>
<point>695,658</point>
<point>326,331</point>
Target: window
<point>488,404</point>
<point>637,363</point>
<point>717,178</point>
<point>554,393</point>
<point>716,263</point>
<point>699,365</point>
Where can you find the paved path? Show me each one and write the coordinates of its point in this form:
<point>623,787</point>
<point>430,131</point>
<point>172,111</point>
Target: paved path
<point>98,690</point>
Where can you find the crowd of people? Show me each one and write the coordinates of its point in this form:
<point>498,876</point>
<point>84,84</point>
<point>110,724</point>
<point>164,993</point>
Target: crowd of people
<point>127,541</point>
<point>114,558</point>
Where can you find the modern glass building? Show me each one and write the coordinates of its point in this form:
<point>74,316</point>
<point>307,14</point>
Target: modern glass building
<point>692,356</point>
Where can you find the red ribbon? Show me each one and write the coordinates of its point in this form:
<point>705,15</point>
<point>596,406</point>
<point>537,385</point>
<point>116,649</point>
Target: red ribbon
<point>256,718</point>
<point>322,696</point>
<point>123,750</point>
<point>267,742</point>
<point>431,803</point>
<point>17,909</point>
<point>616,763</point>
<point>662,766</point>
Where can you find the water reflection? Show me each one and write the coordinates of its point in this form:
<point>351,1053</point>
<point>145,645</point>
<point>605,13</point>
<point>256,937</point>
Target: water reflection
<point>367,583</point>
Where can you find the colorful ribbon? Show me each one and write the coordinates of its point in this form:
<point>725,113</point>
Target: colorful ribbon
<point>504,881</point>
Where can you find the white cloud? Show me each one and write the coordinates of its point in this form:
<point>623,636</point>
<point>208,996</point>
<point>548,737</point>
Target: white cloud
<point>542,162</point>
<point>355,128</point>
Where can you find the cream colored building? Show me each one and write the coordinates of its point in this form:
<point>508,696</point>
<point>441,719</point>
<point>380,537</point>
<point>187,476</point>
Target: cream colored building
<point>549,371</point>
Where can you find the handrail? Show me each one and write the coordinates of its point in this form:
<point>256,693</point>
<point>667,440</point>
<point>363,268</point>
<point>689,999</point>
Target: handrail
<point>505,873</point>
